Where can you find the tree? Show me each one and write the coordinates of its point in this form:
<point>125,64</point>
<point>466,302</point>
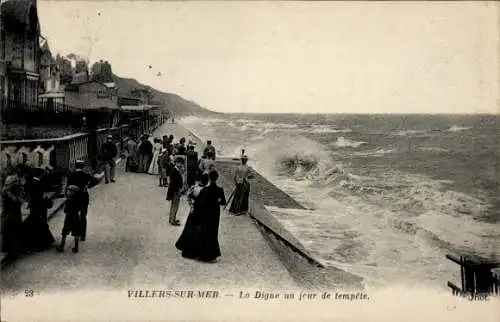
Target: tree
<point>102,72</point>
<point>81,67</point>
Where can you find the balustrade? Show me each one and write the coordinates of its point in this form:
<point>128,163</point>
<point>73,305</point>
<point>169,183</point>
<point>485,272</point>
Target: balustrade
<point>61,153</point>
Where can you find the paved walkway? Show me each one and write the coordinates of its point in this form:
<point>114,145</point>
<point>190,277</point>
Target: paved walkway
<point>130,244</point>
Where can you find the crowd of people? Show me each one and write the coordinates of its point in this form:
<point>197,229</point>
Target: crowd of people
<point>178,168</point>
<point>33,234</point>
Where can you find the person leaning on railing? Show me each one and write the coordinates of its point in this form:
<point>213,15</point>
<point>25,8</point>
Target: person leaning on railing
<point>209,149</point>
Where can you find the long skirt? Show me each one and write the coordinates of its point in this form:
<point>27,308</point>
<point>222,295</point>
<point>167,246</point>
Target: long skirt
<point>239,205</point>
<point>210,248</point>
<point>37,235</point>
<point>199,239</point>
<point>12,224</point>
<point>132,164</point>
<point>190,240</point>
<point>153,167</point>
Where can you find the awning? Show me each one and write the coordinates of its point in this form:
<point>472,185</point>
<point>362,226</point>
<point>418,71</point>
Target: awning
<point>136,107</point>
<point>51,95</point>
<point>109,85</point>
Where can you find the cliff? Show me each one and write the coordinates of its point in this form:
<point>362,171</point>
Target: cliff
<point>177,105</point>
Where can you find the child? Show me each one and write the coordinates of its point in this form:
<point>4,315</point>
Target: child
<point>72,222</point>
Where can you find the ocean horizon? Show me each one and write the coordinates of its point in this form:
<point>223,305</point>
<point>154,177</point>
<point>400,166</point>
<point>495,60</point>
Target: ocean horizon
<point>387,195</point>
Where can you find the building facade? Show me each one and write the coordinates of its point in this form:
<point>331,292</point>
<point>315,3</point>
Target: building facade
<point>90,95</point>
<point>51,94</point>
<point>49,71</point>
<point>19,56</point>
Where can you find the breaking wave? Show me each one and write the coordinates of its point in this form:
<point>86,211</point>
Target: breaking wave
<point>383,225</point>
<point>457,128</point>
<point>410,132</point>
<point>430,149</point>
<point>342,142</point>
<point>328,130</point>
<point>376,153</point>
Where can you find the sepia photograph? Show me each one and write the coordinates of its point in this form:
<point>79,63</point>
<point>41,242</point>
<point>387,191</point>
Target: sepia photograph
<point>249,160</point>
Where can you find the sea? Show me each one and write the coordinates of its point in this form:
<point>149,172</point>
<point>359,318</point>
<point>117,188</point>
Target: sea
<point>386,196</point>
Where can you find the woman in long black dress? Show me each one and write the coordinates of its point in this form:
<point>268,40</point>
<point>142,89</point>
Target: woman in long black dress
<point>211,198</point>
<point>192,165</point>
<point>12,219</point>
<point>190,240</point>
<point>37,235</point>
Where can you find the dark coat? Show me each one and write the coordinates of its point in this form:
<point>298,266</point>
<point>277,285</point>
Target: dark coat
<point>36,231</point>
<point>146,148</point>
<point>192,167</point>
<point>211,198</point>
<point>176,184</point>
<point>180,149</point>
<point>109,151</point>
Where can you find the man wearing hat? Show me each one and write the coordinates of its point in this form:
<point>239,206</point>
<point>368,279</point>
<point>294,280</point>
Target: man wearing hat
<point>175,189</point>
<point>82,180</point>
<point>109,153</point>
<point>145,150</point>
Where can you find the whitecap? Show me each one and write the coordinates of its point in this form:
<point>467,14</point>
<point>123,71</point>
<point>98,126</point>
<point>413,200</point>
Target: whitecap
<point>343,142</point>
<point>376,153</point>
<point>409,132</point>
<point>321,130</point>
<point>457,128</point>
<point>430,149</point>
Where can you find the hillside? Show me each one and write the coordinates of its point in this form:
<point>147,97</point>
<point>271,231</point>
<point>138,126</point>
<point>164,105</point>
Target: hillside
<point>174,103</point>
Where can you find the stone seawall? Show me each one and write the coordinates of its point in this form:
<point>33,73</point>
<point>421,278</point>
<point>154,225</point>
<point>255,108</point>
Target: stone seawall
<point>301,264</point>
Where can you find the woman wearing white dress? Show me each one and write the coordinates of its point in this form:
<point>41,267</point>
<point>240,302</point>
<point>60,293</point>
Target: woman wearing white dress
<point>153,168</point>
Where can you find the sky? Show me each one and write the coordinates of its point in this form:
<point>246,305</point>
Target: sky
<point>294,57</point>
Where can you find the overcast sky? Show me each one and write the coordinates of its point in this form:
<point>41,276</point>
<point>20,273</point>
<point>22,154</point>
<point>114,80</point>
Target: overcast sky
<point>422,57</point>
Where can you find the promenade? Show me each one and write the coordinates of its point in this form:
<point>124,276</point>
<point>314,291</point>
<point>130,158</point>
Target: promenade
<point>130,245</point>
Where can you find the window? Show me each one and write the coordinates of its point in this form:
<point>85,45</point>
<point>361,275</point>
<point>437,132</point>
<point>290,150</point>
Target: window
<point>27,92</point>
<point>40,159</point>
<point>34,51</point>
<point>2,90</point>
